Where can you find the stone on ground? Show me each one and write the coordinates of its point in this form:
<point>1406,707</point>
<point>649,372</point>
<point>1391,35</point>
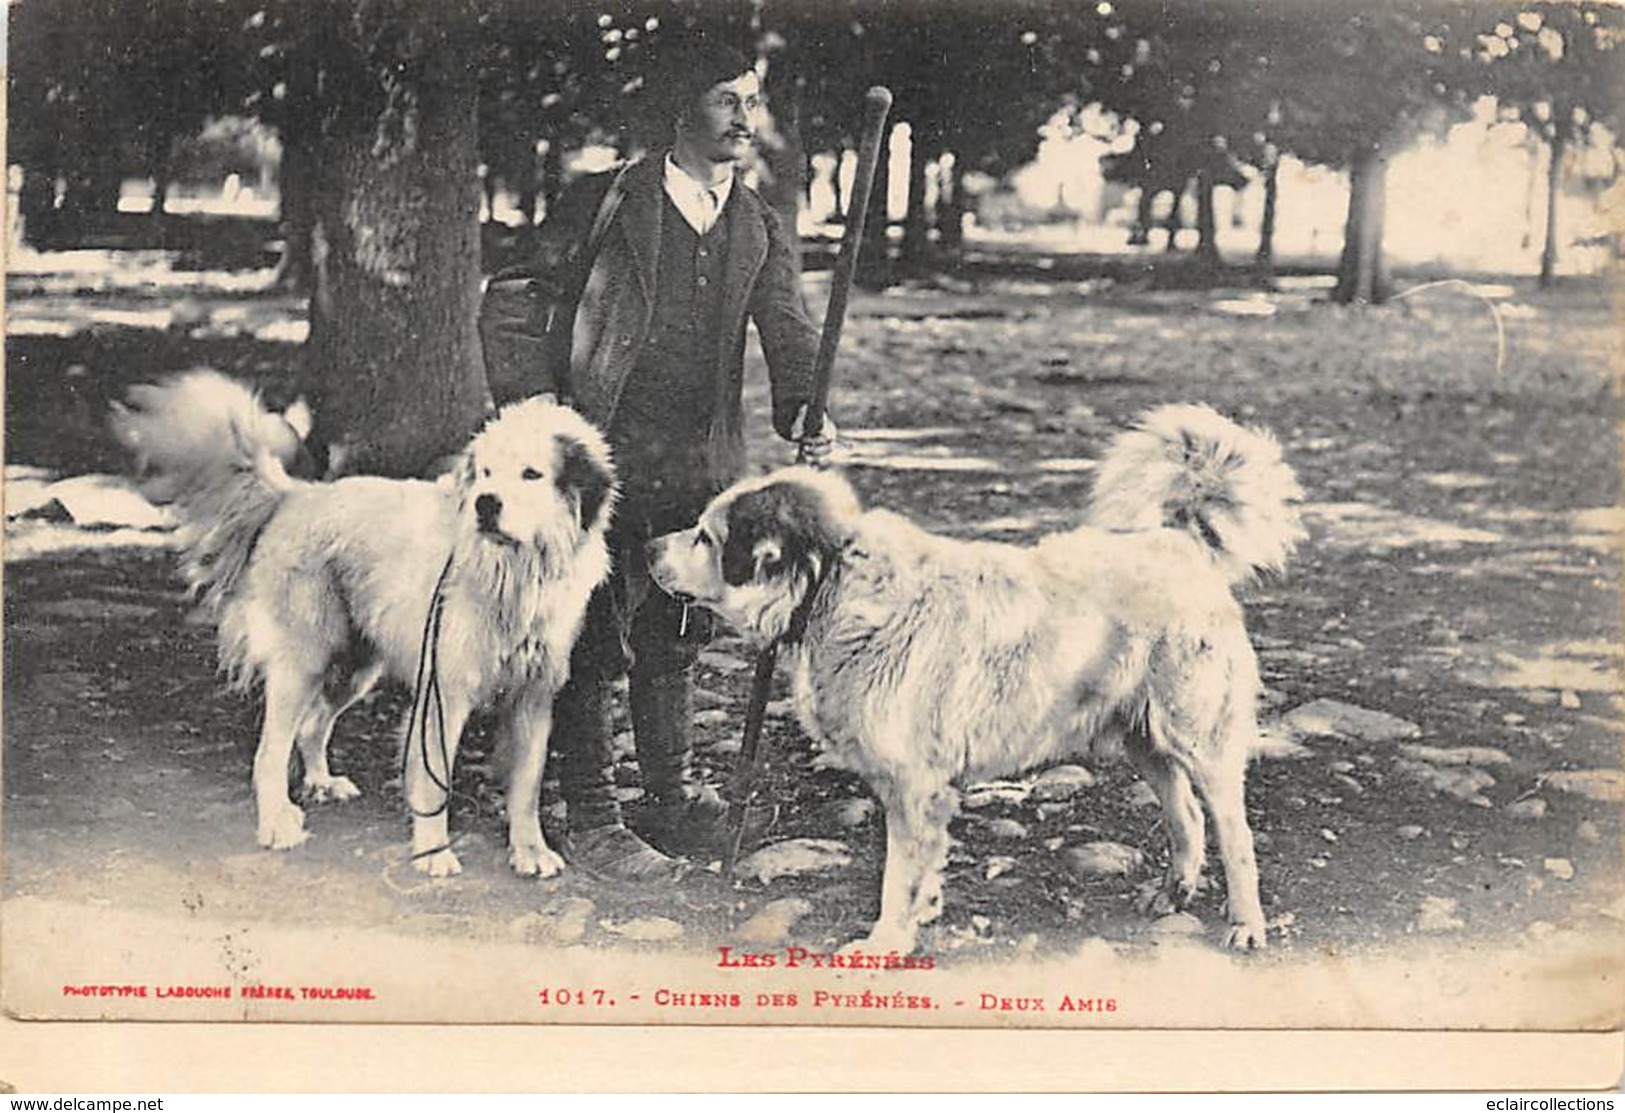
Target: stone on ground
<point>1464,783</point>
<point>1607,785</point>
<point>645,929</point>
<point>773,922</point>
<point>1336,719</point>
<point>1438,914</point>
<point>1062,782</point>
<point>1104,859</point>
<point>1456,755</point>
<point>994,792</point>
<point>794,858</point>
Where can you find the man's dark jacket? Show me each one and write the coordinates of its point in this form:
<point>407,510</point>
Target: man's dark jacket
<point>761,282</point>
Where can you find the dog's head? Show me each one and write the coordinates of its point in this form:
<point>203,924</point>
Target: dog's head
<point>538,476</point>
<point>759,548</point>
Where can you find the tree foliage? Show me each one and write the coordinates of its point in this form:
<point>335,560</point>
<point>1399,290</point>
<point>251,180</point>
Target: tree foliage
<point>1361,89</point>
<point>1557,69</point>
<point>552,82</point>
<point>1194,83</point>
<point>104,89</point>
<point>101,89</point>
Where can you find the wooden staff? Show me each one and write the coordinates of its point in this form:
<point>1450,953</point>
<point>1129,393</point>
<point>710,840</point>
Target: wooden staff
<point>876,103</point>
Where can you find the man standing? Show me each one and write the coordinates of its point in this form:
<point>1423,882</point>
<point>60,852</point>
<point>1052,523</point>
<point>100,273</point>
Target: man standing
<point>678,254</point>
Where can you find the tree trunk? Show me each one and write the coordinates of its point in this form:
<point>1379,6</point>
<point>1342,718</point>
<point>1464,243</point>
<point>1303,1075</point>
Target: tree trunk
<point>526,171</point>
<point>1173,223</point>
<point>527,205</point>
<point>160,191</point>
<point>915,241</point>
<point>159,167</point>
<point>90,199</point>
<point>1362,273</point>
<point>296,178</point>
<point>1531,190</point>
<point>839,216</point>
<point>488,194</point>
<point>36,204</point>
<point>1140,234</point>
<point>297,213</point>
<point>394,356</point>
<point>1265,257</point>
<point>1554,189</point>
<point>552,183</point>
<point>874,262</point>
<point>1207,224</point>
<point>951,210</point>
<point>784,185</point>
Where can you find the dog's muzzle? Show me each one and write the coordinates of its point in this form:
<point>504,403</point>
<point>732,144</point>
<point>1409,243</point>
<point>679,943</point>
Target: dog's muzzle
<point>654,553</point>
<point>488,508</point>
<point>488,517</point>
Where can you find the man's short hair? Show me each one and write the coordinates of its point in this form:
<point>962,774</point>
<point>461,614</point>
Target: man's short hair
<point>689,66</point>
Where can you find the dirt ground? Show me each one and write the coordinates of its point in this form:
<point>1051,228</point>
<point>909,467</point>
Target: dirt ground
<point>1462,579</point>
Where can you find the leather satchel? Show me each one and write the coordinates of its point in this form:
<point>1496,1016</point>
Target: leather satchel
<point>561,315</point>
<point>526,320</point>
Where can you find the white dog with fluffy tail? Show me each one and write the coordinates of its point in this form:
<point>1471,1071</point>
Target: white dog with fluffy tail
<point>922,662</point>
<point>472,587</point>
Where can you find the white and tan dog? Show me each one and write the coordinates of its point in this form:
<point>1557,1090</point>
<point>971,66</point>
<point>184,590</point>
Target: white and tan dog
<point>921,662</point>
<point>321,589</point>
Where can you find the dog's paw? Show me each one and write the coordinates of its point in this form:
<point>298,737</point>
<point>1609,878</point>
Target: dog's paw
<point>331,788</point>
<point>879,943</point>
<point>1245,937</point>
<point>284,828</point>
<point>1157,903</point>
<point>535,861</point>
<point>442,863</point>
<point>1164,898</point>
<point>828,760</point>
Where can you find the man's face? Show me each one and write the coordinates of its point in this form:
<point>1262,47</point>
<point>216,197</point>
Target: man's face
<point>722,123</point>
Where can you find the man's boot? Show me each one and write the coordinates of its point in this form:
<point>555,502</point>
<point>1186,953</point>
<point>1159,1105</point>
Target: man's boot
<point>680,815</point>
<point>598,842</point>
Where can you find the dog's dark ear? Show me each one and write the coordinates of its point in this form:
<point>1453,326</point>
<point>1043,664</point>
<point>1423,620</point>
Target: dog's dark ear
<point>585,479</point>
<point>304,465</point>
<point>746,530</point>
<point>768,559</point>
<point>783,525</point>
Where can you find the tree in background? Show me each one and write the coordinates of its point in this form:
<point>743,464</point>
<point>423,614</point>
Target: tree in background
<point>1200,82</point>
<point>393,359</point>
<point>1557,69</point>
<point>183,63</point>
<point>551,82</point>
<point>288,100</point>
<point>1160,73</point>
<point>103,89</point>
<point>1005,71</point>
<point>972,81</point>
<point>386,108</point>
<point>1360,89</point>
<point>58,131</point>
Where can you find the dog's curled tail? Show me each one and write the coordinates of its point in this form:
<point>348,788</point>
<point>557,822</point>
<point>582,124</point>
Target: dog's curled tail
<point>1186,467</point>
<point>206,444</point>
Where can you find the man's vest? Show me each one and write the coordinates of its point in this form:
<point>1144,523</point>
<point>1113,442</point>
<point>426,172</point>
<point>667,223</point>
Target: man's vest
<point>660,423</point>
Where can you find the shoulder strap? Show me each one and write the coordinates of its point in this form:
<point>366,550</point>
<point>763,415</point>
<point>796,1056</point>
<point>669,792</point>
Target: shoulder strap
<point>606,213</point>
<point>561,319</point>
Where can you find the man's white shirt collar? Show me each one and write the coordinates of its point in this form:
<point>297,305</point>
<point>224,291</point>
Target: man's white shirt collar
<point>699,203</point>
